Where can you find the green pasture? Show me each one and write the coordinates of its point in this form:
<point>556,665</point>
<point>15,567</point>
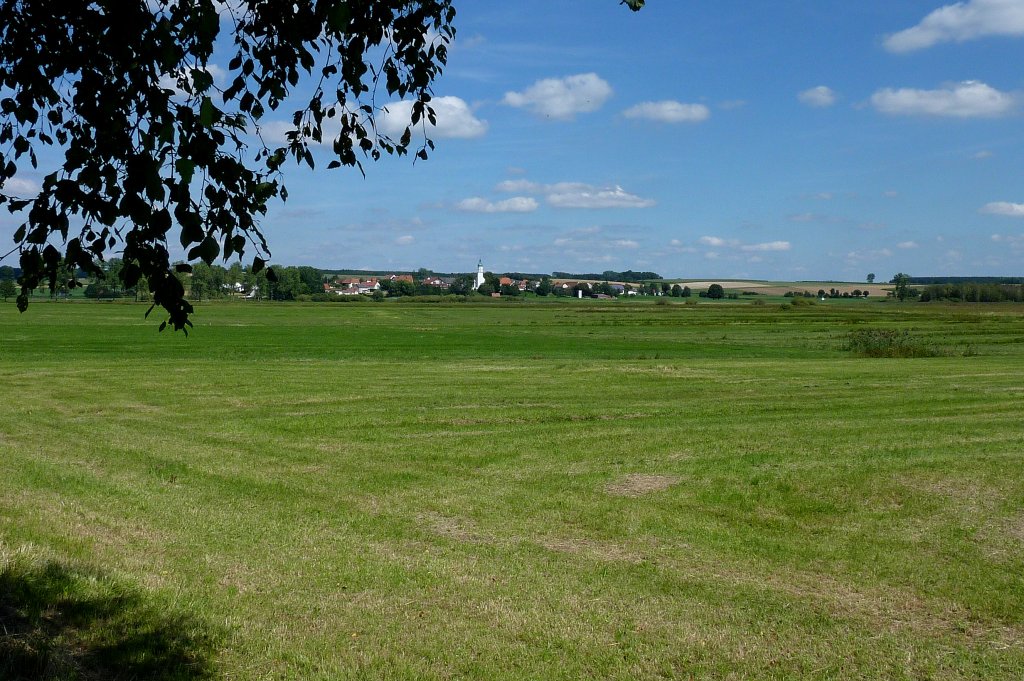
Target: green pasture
<point>568,490</point>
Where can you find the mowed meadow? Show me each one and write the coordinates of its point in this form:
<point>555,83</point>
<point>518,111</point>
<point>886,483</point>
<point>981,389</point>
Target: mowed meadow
<point>568,490</point>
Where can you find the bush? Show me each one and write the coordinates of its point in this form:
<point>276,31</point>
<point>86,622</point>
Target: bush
<point>803,302</point>
<point>888,343</point>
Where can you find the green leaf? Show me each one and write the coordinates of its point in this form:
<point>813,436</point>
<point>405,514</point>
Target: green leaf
<point>338,16</point>
<point>207,111</point>
<point>186,169</point>
<point>191,228</point>
<point>208,250</point>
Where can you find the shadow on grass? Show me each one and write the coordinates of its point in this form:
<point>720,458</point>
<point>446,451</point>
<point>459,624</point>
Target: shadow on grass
<point>60,623</point>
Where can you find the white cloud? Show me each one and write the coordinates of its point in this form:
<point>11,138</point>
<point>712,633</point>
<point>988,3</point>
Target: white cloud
<point>19,186</point>
<point>590,197</point>
<point>169,81</point>
<point>907,244</point>
<point>625,243</point>
<point>819,97</point>
<point>960,22</point>
<point>517,204</point>
<point>890,194</point>
<point>1015,242</point>
<point>578,194</point>
<point>982,155</point>
<point>669,112</point>
<point>406,240</point>
<point>855,257</point>
<point>769,246</point>
<point>455,119</point>
<point>969,99</point>
<point>562,98</point>
<point>1005,208</point>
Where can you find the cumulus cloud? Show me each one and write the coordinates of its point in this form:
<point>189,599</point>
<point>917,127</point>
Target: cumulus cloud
<point>562,98</point>
<point>960,22</point>
<point>517,204</point>
<point>768,246</point>
<point>455,119</point>
<point>577,194</point>
<point>969,99</point>
<point>819,97</point>
<point>855,257</point>
<point>1005,208</point>
<point>591,197</point>
<point>590,245</point>
<point>20,186</point>
<point>669,112</point>
<point>1015,242</point>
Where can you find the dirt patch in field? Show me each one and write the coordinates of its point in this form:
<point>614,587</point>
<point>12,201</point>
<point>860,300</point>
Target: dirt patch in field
<point>599,550</point>
<point>454,528</point>
<point>636,485</point>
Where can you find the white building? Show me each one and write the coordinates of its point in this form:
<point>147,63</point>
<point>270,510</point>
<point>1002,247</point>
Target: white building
<point>479,275</point>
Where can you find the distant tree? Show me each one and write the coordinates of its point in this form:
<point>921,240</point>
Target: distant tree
<point>312,279</point>
<point>485,289</point>
<point>463,285</point>
<point>289,284</point>
<point>7,272</point>
<point>605,288</point>
<point>716,291</point>
<point>396,288</point>
<point>871,278</point>
<point>7,289</point>
<point>677,291</point>
<point>201,283</point>
<point>545,287</point>
<point>686,292</point>
<point>666,288</point>
<point>901,291</point>
<point>494,280</point>
<point>856,293</point>
<point>509,290</point>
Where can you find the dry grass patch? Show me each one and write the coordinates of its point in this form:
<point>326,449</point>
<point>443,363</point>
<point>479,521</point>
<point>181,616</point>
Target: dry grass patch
<point>590,548</point>
<point>638,484</point>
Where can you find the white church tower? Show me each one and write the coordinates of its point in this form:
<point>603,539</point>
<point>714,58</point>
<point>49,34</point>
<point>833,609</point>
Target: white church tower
<point>479,275</point>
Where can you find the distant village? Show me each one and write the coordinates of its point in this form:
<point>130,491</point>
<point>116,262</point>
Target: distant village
<point>482,282</point>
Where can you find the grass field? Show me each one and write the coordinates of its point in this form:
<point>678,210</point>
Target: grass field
<point>511,491</point>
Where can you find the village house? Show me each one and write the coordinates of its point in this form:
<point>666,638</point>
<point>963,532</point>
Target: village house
<point>436,282</point>
<point>352,286</point>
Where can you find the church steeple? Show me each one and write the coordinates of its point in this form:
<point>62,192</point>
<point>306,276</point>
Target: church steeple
<point>479,275</point>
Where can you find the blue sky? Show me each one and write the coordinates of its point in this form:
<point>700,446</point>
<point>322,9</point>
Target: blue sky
<point>806,139</point>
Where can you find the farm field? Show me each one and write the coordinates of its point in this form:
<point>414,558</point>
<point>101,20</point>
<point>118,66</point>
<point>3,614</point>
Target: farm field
<point>568,490</point>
